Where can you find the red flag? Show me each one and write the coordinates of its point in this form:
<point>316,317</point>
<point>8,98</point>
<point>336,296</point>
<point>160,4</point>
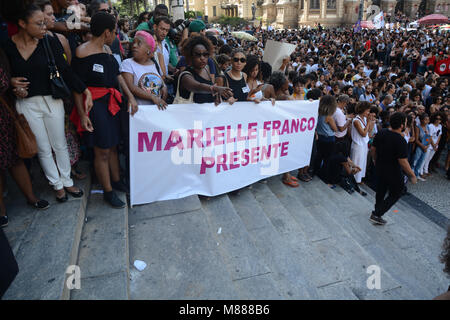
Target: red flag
<point>443,67</point>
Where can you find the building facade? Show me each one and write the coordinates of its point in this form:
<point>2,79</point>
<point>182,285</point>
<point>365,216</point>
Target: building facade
<point>296,13</point>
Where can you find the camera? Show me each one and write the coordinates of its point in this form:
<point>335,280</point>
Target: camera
<point>180,26</point>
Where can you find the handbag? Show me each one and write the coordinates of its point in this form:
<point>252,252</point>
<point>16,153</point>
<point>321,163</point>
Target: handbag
<point>179,99</point>
<point>58,87</point>
<point>25,139</point>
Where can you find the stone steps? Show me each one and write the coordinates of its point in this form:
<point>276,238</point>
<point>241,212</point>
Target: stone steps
<point>243,258</point>
<point>183,259</point>
<point>284,259</point>
<point>103,257</point>
<point>45,243</point>
<point>341,251</point>
<point>394,247</point>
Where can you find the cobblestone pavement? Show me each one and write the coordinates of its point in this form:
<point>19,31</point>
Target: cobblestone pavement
<point>435,191</point>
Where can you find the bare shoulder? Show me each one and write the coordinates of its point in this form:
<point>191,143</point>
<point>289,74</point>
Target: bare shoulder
<point>82,50</point>
<point>107,49</point>
<point>62,38</point>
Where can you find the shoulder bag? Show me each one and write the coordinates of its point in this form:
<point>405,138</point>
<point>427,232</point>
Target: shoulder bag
<point>57,85</point>
<point>178,98</point>
<point>25,139</point>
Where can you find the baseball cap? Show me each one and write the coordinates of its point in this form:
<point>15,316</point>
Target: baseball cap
<point>197,26</point>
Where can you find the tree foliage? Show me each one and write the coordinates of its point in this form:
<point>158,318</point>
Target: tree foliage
<point>232,21</point>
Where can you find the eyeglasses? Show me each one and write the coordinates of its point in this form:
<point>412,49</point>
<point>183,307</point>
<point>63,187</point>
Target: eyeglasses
<point>242,60</point>
<point>200,54</point>
<point>109,10</point>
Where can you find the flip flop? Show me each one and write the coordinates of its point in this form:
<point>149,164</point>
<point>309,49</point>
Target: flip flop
<point>290,183</point>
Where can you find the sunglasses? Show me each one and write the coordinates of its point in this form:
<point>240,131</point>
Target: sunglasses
<point>242,60</point>
<point>199,54</point>
<point>109,10</point>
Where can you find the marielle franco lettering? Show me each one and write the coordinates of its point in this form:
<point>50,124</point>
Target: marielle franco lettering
<point>244,144</point>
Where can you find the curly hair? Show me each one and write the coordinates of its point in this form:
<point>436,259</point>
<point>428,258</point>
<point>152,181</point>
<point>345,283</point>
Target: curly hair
<point>362,106</point>
<point>189,45</point>
<point>277,80</point>
<point>445,255</point>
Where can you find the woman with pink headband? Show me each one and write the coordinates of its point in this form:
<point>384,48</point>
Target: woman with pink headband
<point>142,73</point>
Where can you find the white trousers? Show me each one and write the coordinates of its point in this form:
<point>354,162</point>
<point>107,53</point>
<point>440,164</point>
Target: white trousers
<point>45,116</point>
<point>428,156</point>
<point>358,154</point>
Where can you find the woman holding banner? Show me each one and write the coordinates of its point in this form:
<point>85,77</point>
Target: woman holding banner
<point>195,85</point>
<point>99,70</point>
<point>142,74</point>
<point>237,80</point>
<point>280,85</point>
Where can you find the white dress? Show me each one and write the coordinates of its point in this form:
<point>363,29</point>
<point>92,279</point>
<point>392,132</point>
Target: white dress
<point>359,149</point>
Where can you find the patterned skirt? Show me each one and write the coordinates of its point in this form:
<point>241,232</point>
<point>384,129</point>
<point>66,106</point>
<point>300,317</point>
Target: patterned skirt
<point>8,151</point>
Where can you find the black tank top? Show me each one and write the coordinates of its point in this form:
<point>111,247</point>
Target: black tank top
<point>198,97</point>
<point>237,86</point>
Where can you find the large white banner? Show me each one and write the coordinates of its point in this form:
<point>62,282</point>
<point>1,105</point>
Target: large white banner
<point>203,149</point>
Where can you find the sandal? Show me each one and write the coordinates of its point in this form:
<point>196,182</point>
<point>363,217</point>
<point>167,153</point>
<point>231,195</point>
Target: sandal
<point>290,183</point>
<point>304,178</point>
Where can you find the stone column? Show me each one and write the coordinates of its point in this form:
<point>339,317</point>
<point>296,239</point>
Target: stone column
<point>340,9</point>
<point>305,10</point>
<point>323,9</point>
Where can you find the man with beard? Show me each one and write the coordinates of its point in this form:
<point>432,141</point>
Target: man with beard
<point>390,154</point>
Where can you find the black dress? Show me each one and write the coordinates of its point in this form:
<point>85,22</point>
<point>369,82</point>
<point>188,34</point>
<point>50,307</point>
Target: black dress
<point>100,70</point>
<point>238,87</point>
<point>198,97</point>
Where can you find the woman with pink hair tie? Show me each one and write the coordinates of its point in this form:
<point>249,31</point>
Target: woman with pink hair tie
<point>142,74</point>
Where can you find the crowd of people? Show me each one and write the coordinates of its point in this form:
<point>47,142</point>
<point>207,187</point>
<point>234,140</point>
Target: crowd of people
<point>110,65</point>
<point>383,106</point>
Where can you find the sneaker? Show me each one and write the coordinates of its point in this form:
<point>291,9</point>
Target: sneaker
<point>377,220</point>
<point>120,186</point>
<point>112,199</point>
<point>3,221</point>
<point>421,179</point>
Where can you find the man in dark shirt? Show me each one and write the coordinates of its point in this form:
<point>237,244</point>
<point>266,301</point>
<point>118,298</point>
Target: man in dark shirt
<point>390,150</point>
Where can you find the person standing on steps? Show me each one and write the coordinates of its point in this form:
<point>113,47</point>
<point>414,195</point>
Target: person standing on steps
<point>390,153</point>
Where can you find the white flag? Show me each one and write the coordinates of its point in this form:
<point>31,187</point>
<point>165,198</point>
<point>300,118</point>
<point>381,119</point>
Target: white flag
<point>378,20</point>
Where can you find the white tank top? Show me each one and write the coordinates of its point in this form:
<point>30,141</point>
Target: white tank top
<point>356,137</point>
<point>259,94</point>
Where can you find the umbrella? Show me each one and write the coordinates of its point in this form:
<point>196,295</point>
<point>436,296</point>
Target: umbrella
<point>243,36</point>
<point>216,31</point>
<point>434,19</point>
